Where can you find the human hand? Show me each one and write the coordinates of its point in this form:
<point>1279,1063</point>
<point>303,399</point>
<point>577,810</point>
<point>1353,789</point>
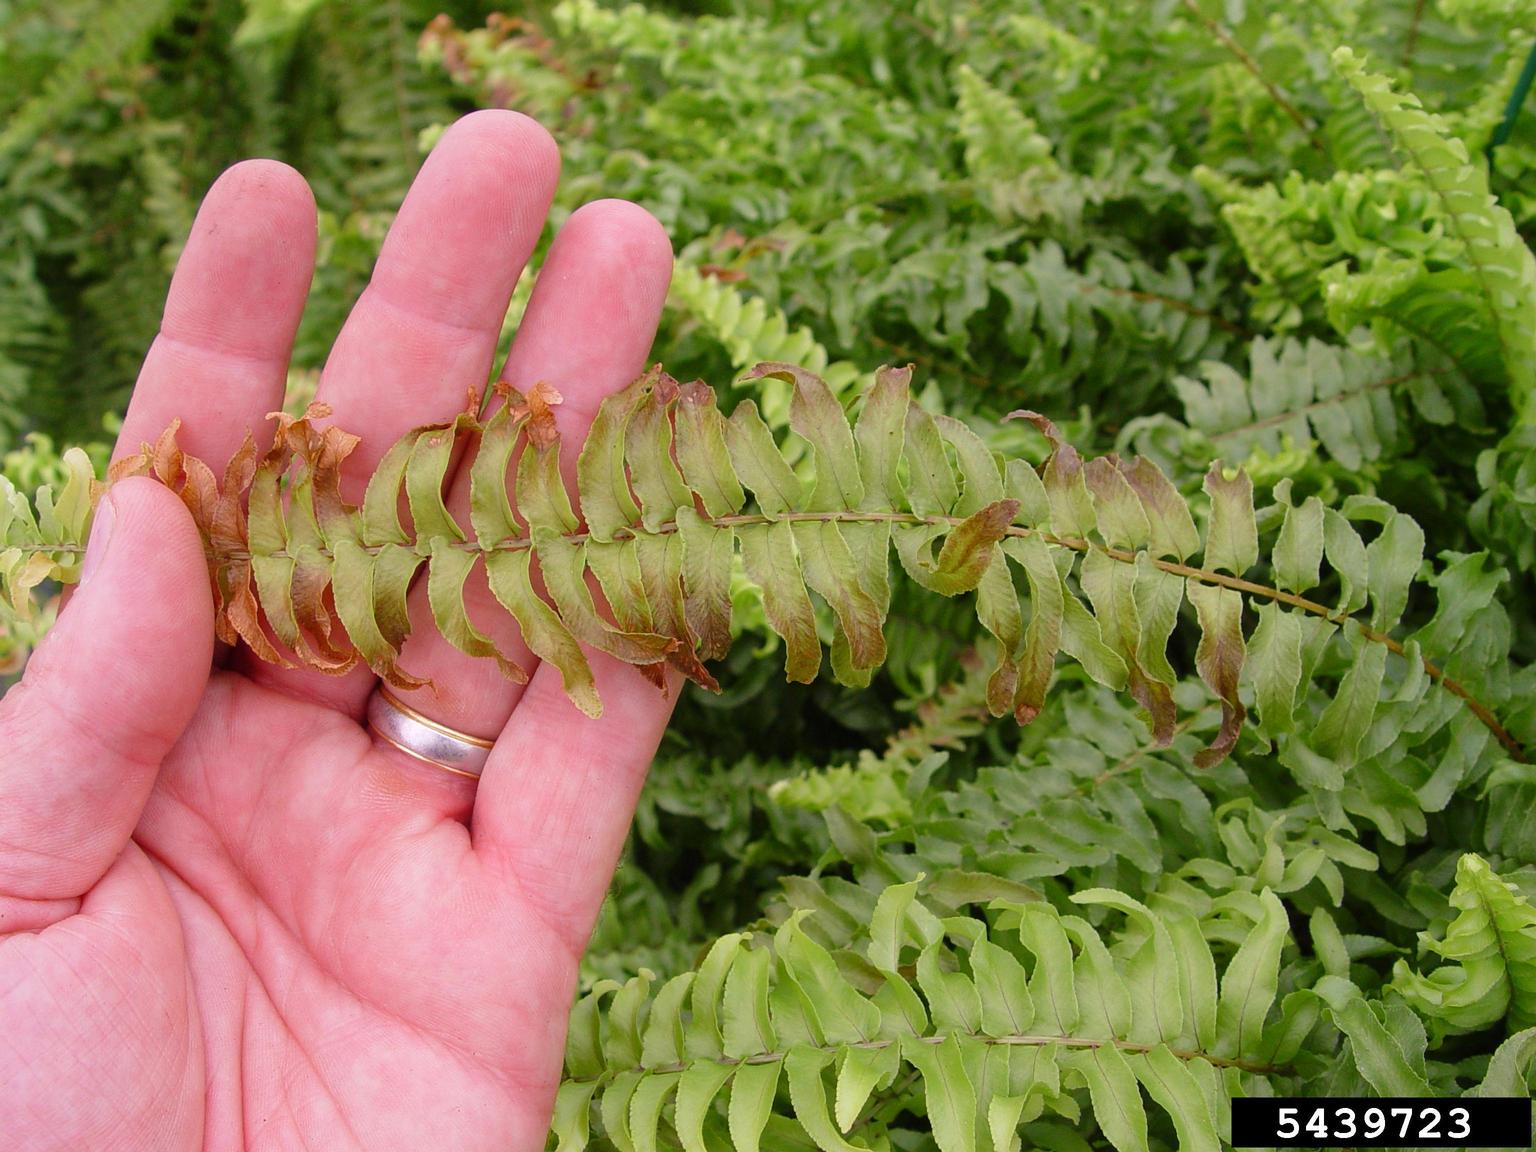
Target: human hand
<point>230,917</point>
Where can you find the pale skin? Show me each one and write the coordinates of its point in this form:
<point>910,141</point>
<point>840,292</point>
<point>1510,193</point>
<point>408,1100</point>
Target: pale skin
<point>229,917</point>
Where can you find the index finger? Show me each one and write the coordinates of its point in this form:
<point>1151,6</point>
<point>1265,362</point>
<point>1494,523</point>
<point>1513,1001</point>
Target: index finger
<point>220,360</point>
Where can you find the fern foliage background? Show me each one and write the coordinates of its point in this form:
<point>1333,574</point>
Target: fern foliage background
<point>1184,749</point>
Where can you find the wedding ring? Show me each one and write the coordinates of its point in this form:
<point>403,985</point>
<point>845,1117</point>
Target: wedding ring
<point>397,723</point>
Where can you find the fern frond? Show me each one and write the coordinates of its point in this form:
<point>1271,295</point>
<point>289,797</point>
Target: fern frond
<point>662,484</point>
<point>1004,152</point>
<point>1490,949</point>
<point>1345,399</point>
<point>1500,265</point>
<point>999,1025</point>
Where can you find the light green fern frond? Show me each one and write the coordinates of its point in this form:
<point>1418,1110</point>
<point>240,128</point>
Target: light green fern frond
<point>1004,151</point>
<point>986,1026</point>
<point>1500,268</point>
<point>1490,953</point>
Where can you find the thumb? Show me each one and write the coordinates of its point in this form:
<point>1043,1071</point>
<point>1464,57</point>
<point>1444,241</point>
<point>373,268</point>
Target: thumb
<point>105,696</point>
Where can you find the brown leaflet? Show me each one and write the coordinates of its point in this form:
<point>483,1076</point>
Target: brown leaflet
<point>311,582</point>
<point>325,453</point>
<point>194,483</point>
<point>1219,660</point>
<point>1173,529</point>
<point>227,531</point>
<point>967,549</point>
<point>661,567</point>
<point>1118,512</point>
<point>242,616</point>
<point>540,402</point>
<point>1072,509</point>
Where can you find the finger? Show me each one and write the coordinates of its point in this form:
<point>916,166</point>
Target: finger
<point>104,698</point>
<point>587,331</point>
<point>424,331</point>
<point>559,791</point>
<point>220,361</point>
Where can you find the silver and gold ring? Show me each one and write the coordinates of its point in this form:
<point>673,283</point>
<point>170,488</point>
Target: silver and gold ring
<point>397,723</point>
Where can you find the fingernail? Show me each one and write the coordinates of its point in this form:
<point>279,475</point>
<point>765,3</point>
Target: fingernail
<point>101,537</point>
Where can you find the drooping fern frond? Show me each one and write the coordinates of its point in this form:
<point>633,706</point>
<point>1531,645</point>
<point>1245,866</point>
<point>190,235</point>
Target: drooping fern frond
<point>663,506</point>
<point>1499,264</point>
<point>1004,1023</point>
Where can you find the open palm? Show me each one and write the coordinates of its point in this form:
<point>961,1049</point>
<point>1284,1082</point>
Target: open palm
<point>229,916</point>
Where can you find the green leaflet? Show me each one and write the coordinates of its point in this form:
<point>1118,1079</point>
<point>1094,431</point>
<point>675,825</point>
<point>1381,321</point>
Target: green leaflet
<point>830,571</point>
<point>702,451</point>
<point>1116,1099</point>
<point>447,570</point>
<point>861,1071</point>
<point>1172,1084</point>
<point>752,1093</point>
<point>1231,540</point>
<point>544,633</point>
<point>562,565</point>
<point>745,1022</point>
<point>648,452</point>
<point>816,415</point>
<point>1274,662</point>
<point>932,487</point>
<point>808,1096</point>
<point>707,553</point>
<point>953,1001</point>
<point>881,436</point>
<point>1248,987</point>
<point>606,501</point>
<point>950,1095</point>
<point>844,1015</point>
<point>571,1124</point>
<point>1001,983</point>
<point>1378,1055</point>
<point>997,606</point>
<point>1118,512</point>
<point>424,472</point>
<point>371,603</point>
<point>1043,636</point>
<point>771,560</point>
<point>1298,551</point>
<point>696,1091</point>
<point>490,509</point>
<point>758,462</point>
<point>980,477</point>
